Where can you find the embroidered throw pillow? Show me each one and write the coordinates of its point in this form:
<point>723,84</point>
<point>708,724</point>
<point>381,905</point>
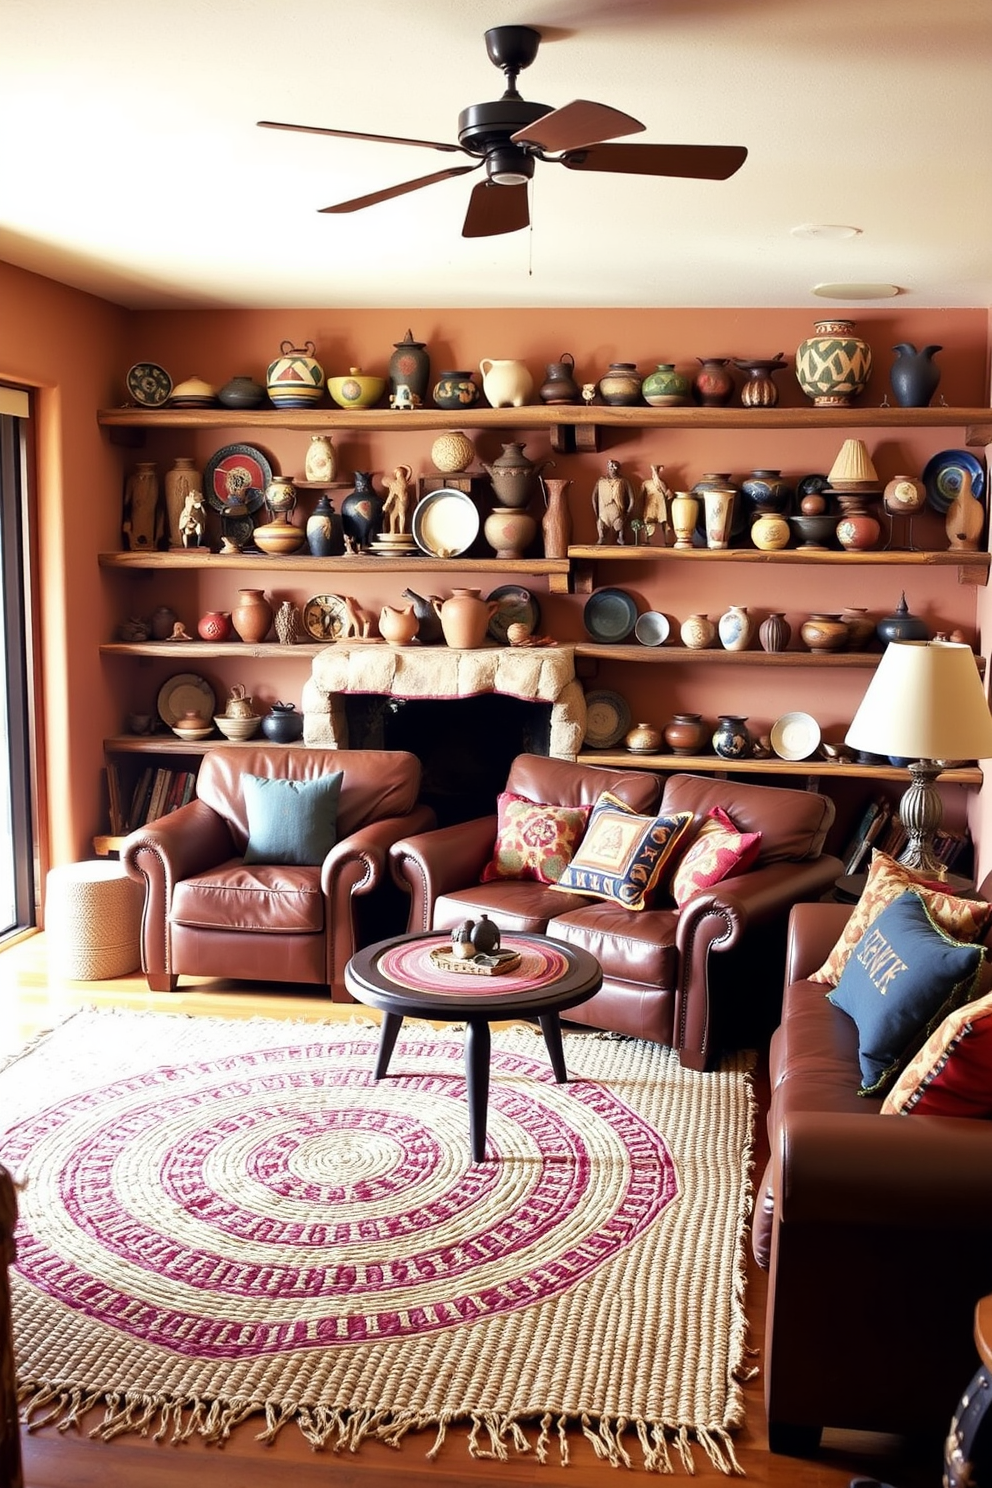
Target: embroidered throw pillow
<point>623,855</point>
<point>533,840</point>
<point>903,975</point>
<point>717,851</point>
<point>291,821</point>
<point>952,1074</point>
<point>965,919</point>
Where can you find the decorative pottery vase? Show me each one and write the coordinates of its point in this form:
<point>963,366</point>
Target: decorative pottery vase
<point>252,615</point>
<point>770,532</point>
<point>759,390</point>
<point>215,625</point>
<point>824,633</point>
<point>361,510</point>
<point>665,387</point>
<point>410,366</point>
<point>620,386</point>
<point>429,631</point>
<point>509,531</point>
<point>452,452</point>
<point>506,382</point>
<point>321,463</point>
<point>698,632</point>
<point>295,379</point>
<point>713,385</point>
<point>718,509</point>
<point>685,515</point>
<point>287,623</point>
<point>686,733</point>
<point>833,365</point>
<point>279,536</point>
<point>559,385</point>
<point>860,628</point>
<point>282,724</point>
<point>965,519</point>
<point>241,392</point>
<point>398,626</point>
<point>162,623</point>
<point>901,625</point>
<point>774,632</point>
<point>179,482</point>
<point>735,628</point>
<point>143,516</point>
<point>195,392</point>
<point>858,531</point>
<point>356,389</point>
<point>643,739</point>
<point>239,704</point>
<point>512,475</point>
<point>556,524</point>
<point>465,618</point>
<point>904,496</point>
<point>280,496</point>
<point>485,936</point>
<point>325,531</point>
<point>914,375</point>
<point>731,738</point>
<point>454,390</point>
<point>765,491</point>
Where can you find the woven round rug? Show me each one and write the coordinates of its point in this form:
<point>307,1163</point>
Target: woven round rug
<point>221,1218</point>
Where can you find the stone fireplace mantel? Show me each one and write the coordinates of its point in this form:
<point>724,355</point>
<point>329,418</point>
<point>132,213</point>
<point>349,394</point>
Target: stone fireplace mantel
<point>541,674</point>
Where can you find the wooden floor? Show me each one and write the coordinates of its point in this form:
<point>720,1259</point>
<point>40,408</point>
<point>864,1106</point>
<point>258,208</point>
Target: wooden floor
<point>30,1002</point>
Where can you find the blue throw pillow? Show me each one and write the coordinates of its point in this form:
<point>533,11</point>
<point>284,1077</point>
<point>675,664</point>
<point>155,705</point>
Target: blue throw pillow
<point>901,978</point>
<point>291,821</point>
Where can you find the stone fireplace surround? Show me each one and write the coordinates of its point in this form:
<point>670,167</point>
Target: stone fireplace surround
<point>542,674</point>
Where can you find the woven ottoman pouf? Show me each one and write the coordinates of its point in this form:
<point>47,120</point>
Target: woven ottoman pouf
<point>93,921</point>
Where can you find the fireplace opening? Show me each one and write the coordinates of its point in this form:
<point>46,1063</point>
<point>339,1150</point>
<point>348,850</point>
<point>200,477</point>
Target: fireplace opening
<point>465,745</point>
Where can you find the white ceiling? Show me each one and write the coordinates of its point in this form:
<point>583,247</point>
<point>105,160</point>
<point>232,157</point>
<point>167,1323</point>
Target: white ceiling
<point>132,167</point>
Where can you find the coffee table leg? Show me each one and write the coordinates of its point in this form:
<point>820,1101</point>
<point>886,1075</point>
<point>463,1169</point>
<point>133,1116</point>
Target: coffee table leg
<point>477,1046</point>
<point>551,1028</point>
<point>388,1034</point>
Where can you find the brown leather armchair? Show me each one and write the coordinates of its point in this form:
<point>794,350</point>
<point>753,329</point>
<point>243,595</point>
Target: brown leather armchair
<point>208,913</point>
<point>682,978</point>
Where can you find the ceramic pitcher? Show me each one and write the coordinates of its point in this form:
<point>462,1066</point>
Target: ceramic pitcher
<point>506,383</point>
<point>465,618</point>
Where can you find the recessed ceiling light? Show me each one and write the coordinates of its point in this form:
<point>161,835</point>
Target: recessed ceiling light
<point>856,291</point>
<point>825,230</point>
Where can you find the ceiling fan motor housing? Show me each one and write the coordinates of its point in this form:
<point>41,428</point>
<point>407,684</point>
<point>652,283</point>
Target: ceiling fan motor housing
<point>483,125</point>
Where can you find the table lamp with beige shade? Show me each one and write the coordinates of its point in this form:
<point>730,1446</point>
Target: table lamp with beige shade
<point>926,703</point>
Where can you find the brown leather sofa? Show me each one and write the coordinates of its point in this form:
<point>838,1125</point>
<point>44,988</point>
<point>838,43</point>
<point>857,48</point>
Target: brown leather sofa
<point>208,913</point>
<point>698,979</point>
<point>876,1230</point>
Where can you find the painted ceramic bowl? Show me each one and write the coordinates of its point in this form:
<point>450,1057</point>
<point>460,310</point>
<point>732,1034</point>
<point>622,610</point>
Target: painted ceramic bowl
<point>357,390</point>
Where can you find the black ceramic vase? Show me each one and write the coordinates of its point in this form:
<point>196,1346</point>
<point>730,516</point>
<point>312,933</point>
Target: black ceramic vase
<point>283,725</point>
<point>361,510</point>
<point>901,625</point>
<point>325,533</point>
<point>410,366</point>
<point>914,375</point>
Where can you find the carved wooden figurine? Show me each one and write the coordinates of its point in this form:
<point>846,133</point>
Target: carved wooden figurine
<point>656,497</point>
<point>612,501</point>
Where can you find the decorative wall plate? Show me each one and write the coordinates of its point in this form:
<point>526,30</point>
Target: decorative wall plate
<point>235,477</point>
<point>609,615</point>
<point>446,523</point>
<point>149,384</point>
<point>795,736</point>
<point>515,605</point>
<point>943,477</point>
<point>186,692</point>
<point>324,617</point>
<point>607,719</point>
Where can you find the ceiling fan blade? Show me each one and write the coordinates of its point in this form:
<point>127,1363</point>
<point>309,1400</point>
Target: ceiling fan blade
<point>699,162</point>
<point>576,124</point>
<point>388,192</point>
<point>379,139</point>
<point>496,209</point>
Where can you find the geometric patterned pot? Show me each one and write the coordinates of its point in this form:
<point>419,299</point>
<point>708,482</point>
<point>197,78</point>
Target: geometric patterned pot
<point>833,365</point>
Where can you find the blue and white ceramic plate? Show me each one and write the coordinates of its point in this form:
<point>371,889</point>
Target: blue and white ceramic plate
<point>943,477</point>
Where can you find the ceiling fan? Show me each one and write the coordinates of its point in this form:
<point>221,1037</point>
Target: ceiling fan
<point>510,134</point>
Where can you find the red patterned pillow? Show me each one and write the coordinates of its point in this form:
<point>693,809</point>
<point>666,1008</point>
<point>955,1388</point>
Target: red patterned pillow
<point>534,840</point>
<point>952,1073</point>
<point>717,851</point>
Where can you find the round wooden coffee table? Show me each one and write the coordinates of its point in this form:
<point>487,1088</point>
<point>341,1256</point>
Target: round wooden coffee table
<point>399,977</point>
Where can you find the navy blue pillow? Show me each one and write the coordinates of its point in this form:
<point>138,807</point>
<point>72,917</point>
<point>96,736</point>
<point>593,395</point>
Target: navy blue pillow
<point>901,978</point>
<point>291,821</point>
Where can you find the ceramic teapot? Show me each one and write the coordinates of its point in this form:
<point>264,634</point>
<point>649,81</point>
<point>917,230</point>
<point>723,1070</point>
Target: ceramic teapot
<point>512,475</point>
<point>239,704</point>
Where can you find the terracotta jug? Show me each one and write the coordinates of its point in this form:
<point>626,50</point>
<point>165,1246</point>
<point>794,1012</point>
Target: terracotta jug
<point>239,704</point>
<point>512,475</point>
<point>398,626</point>
<point>465,618</point>
<point>252,615</point>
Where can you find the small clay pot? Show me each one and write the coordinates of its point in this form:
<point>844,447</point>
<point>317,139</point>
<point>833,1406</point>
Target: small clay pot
<point>686,733</point>
<point>824,633</point>
<point>643,739</point>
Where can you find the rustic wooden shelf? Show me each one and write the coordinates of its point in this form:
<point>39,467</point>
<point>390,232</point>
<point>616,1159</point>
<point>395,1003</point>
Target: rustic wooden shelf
<point>716,655</point>
<point>171,744</point>
<point>200,558</point>
<point>177,651</point>
<point>815,769</point>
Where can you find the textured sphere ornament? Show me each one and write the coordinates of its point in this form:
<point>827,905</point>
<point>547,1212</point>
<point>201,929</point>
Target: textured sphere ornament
<point>452,453</point>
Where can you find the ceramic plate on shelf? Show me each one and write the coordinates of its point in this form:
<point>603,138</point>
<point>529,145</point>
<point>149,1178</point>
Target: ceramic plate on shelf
<point>607,719</point>
<point>186,692</point>
<point>943,477</point>
<point>235,477</point>
<point>149,384</point>
<point>324,616</point>
<point>795,736</point>
<point>609,615</point>
<point>515,605</point>
<point>445,523</point>
<point>652,628</point>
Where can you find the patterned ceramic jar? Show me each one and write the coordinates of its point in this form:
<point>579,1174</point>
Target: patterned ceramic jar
<point>833,365</point>
<point>295,379</point>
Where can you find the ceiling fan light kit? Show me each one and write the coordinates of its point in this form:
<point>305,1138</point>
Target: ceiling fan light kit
<point>509,135</point>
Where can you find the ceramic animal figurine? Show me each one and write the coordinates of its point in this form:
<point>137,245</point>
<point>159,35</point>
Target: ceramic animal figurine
<point>357,623</point>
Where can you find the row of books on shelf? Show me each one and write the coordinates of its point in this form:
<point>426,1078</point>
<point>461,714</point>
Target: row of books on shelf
<point>880,827</point>
<point>155,793</point>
